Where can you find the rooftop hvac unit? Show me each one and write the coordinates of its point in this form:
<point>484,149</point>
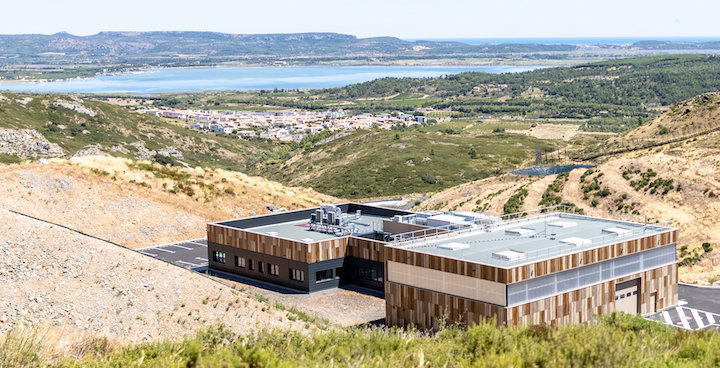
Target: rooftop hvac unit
<point>578,242</point>
<point>617,230</point>
<point>319,216</point>
<point>331,218</point>
<point>563,224</point>
<point>521,231</point>
<point>454,246</point>
<point>509,255</point>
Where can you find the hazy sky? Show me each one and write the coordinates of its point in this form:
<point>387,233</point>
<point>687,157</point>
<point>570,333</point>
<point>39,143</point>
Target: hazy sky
<point>400,18</point>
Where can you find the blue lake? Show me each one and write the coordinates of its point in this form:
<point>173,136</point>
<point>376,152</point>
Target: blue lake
<point>237,78</point>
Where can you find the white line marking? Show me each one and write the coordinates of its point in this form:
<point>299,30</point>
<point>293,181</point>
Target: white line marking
<point>165,250</point>
<point>180,246</point>
<point>149,254</point>
<point>696,315</point>
<point>710,318</point>
<point>202,259</point>
<point>200,244</point>
<point>666,317</point>
<point>683,318</point>
<point>189,264</point>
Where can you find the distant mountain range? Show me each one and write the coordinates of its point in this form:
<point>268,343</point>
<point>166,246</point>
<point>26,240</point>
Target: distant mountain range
<point>209,44</point>
<point>222,45</point>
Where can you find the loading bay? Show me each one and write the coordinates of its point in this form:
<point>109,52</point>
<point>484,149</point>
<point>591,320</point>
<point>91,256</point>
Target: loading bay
<point>698,307</point>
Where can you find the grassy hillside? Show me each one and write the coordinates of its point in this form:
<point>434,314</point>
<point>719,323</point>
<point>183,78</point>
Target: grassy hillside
<point>381,163</point>
<point>617,341</point>
<point>678,180</point>
<point>117,126</point>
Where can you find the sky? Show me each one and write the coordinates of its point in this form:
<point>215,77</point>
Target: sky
<point>368,18</point>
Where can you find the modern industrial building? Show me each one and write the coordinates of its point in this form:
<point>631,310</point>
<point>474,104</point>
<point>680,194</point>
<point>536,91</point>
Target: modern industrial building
<point>552,266</point>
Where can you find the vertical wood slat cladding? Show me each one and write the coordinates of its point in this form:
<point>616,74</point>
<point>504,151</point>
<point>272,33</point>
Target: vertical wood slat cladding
<point>372,250</point>
<point>581,305</point>
<point>271,245</point>
<point>426,309</point>
<point>406,305</point>
<point>587,257</point>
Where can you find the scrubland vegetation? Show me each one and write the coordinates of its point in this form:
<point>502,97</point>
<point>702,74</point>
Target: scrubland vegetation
<point>617,340</point>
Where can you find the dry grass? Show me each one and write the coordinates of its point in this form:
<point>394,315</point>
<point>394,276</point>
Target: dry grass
<point>139,205</point>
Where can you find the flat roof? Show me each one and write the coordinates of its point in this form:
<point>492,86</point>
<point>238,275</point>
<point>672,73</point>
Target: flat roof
<point>295,225</point>
<point>300,230</point>
<point>533,236</point>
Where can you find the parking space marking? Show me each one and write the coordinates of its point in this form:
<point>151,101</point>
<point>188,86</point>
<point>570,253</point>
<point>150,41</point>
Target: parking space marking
<point>180,246</point>
<point>165,250</point>
<point>683,318</point>
<point>696,315</point>
<point>710,318</point>
<point>202,259</point>
<point>149,254</point>
<point>200,244</point>
<point>189,264</point>
<point>666,317</point>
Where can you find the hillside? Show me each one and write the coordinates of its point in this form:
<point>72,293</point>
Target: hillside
<point>383,163</point>
<point>138,204</point>
<point>84,288</point>
<point>676,181</point>
<point>80,126</point>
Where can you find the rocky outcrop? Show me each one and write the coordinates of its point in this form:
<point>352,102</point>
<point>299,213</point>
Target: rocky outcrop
<point>170,151</point>
<point>27,143</point>
<point>143,153</point>
<point>75,106</point>
<point>90,150</point>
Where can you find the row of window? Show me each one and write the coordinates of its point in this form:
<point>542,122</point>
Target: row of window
<point>327,275</point>
<point>371,274</point>
<point>269,268</point>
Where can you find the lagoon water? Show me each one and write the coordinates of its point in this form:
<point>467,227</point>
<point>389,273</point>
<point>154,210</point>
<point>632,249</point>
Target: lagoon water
<point>236,78</point>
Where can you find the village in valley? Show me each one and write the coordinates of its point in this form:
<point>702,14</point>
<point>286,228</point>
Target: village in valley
<point>285,125</point>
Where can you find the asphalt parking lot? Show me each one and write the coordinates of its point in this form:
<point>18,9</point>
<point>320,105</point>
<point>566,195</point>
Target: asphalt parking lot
<point>190,254</point>
<point>698,308</point>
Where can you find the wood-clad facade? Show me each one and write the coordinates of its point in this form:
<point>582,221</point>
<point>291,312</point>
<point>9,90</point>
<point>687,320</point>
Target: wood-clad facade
<point>417,301</point>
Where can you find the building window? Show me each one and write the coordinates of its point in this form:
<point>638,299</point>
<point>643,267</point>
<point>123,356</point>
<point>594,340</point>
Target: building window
<point>297,275</point>
<point>371,274</point>
<point>273,269</point>
<point>338,272</point>
<point>250,265</point>
<point>260,266</point>
<point>324,275</point>
<point>219,256</point>
<point>239,261</point>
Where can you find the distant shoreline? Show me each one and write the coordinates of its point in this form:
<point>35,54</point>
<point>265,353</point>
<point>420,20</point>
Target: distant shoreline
<point>398,63</point>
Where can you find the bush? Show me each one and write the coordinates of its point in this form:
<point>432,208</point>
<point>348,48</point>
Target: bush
<point>165,160</point>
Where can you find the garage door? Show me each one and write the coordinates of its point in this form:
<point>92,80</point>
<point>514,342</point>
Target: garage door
<point>626,297</point>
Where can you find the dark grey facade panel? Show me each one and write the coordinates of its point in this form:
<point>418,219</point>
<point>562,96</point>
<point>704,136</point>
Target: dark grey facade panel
<point>334,281</point>
<point>345,270</point>
<point>353,273</point>
<point>284,265</point>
